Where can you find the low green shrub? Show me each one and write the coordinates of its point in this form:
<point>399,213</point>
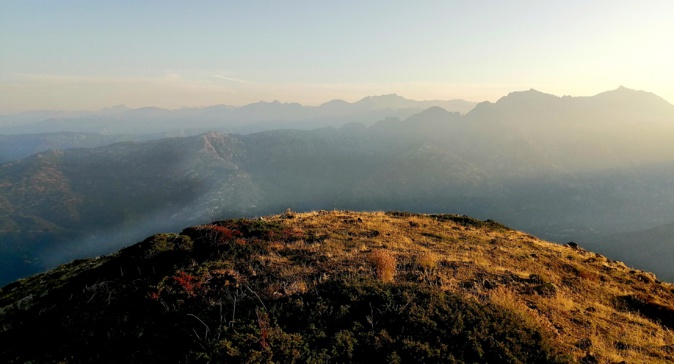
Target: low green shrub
<point>374,322</point>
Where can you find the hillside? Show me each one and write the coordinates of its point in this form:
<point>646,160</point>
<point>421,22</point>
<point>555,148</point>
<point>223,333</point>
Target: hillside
<point>60,205</point>
<point>18,146</point>
<point>341,287</point>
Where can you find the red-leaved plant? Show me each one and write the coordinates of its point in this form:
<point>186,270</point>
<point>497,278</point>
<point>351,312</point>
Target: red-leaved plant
<point>224,234</point>
<point>189,283</point>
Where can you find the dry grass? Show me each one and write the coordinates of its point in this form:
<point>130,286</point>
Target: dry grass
<point>384,264</point>
<point>500,266</point>
<point>428,261</point>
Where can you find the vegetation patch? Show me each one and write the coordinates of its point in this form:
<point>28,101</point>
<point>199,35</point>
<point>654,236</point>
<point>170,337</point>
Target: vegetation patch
<point>403,214</point>
<point>471,222</point>
<point>648,308</point>
<point>369,321</point>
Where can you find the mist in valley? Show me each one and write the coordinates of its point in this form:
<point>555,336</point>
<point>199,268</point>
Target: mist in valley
<point>581,169</point>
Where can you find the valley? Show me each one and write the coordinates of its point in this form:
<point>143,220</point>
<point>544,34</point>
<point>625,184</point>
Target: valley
<point>562,168</point>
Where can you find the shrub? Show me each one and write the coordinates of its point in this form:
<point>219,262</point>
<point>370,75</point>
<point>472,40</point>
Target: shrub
<point>428,261</point>
<point>189,283</point>
<point>367,321</point>
<point>385,265</point>
<point>224,234</point>
<point>470,222</point>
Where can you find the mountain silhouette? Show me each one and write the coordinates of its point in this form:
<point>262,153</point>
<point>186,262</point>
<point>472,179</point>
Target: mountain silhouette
<point>571,170</point>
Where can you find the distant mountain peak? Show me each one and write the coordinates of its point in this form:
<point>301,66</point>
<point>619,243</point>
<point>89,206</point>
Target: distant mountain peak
<point>626,96</point>
<point>435,114</point>
<point>388,98</point>
<point>435,111</point>
<point>385,96</point>
<point>622,89</point>
<point>335,102</point>
<point>531,94</point>
<point>116,109</point>
<point>212,134</point>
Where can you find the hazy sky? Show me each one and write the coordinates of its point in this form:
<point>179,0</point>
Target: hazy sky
<point>92,54</point>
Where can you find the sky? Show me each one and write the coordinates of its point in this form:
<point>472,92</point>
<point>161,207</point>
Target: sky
<point>88,55</point>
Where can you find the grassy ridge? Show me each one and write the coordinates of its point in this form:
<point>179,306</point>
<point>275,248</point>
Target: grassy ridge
<point>341,287</point>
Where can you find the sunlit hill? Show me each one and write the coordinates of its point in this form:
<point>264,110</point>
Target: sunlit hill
<point>339,286</point>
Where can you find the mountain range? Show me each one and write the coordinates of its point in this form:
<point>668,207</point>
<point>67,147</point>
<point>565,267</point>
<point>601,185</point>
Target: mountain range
<point>249,118</point>
<point>563,168</point>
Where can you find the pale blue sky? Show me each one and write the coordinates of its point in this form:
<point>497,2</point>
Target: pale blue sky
<point>93,54</point>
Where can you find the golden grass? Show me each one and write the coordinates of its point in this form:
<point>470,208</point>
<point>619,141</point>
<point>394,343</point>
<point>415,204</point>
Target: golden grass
<point>488,265</point>
<point>385,264</point>
<point>428,261</point>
